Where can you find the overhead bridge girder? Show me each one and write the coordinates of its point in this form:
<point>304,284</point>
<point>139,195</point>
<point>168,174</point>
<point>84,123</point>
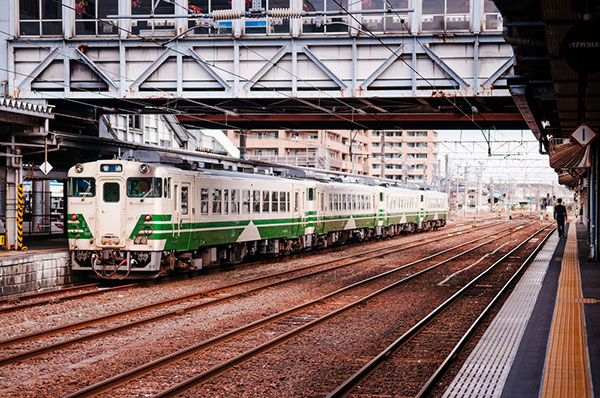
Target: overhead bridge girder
<point>406,66</point>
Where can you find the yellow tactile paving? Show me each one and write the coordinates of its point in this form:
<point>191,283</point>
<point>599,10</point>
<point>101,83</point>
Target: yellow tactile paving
<point>566,371</point>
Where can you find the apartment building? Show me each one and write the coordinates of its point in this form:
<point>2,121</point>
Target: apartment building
<point>324,149</point>
<point>407,155</point>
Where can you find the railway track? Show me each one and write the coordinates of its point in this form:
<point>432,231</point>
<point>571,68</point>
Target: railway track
<point>328,306</point>
<point>15,303</point>
<point>312,269</point>
<point>399,355</point>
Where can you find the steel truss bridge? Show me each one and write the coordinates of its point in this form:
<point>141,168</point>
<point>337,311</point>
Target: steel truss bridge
<point>394,81</point>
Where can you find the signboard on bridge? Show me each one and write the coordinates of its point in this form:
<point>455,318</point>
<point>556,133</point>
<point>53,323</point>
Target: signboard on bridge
<point>583,135</point>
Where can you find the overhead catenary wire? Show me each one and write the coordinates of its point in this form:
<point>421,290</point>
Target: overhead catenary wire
<point>175,50</point>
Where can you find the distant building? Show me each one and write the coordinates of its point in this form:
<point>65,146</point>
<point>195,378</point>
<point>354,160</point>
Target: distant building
<point>323,149</point>
<point>408,155</point>
<point>165,131</point>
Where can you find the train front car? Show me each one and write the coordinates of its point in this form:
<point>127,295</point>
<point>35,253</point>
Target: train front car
<point>110,205</point>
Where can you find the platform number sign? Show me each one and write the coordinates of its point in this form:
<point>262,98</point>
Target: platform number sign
<point>583,135</point>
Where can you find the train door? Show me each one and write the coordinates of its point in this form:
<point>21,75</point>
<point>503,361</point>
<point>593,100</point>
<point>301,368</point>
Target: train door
<point>111,213</point>
<point>320,219</point>
<point>184,213</point>
<point>297,213</point>
<point>421,209</point>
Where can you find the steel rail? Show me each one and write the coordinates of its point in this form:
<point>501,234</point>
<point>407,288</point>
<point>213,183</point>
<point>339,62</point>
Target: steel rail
<point>161,362</point>
<point>69,297</point>
<point>51,347</point>
<point>222,367</point>
<point>81,324</point>
<point>452,355</point>
<point>349,384</point>
<point>28,296</point>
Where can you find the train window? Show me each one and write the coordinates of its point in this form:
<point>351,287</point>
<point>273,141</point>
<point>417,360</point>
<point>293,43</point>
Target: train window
<point>110,192</point>
<point>184,200</point>
<point>296,201</point>
<point>331,201</point>
<point>265,204</point>
<point>246,201</point>
<point>287,200</point>
<point>336,201</point>
<point>235,201</point>
<point>381,196</point>
<point>274,202</point>
<point>204,201</point>
<point>145,187</point>
<point>322,200</point>
<point>282,202</point>
<point>167,188</point>
<point>256,201</point>
<point>82,187</point>
<point>343,203</point>
<point>421,198</point>
<point>216,201</point>
<point>311,194</point>
<point>226,201</point>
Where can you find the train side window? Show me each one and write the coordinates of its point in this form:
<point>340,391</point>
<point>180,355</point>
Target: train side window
<point>110,192</point>
<point>421,198</point>
<point>296,201</point>
<point>381,196</point>
<point>336,201</point>
<point>216,201</point>
<point>226,201</point>
<point>287,201</point>
<point>203,200</point>
<point>235,201</point>
<point>343,201</point>
<point>282,202</point>
<point>246,201</point>
<point>184,200</point>
<point>265,202</point>
<point>274,202</point>
<point>311,194</point>
<point>322,200</point>
<point>330,201</point>
<point>256,202</point>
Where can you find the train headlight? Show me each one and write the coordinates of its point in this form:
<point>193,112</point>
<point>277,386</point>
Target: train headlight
<point>144,168</point>
<point>79,168</point>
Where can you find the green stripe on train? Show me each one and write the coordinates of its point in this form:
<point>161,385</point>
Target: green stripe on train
<point>78,229</point>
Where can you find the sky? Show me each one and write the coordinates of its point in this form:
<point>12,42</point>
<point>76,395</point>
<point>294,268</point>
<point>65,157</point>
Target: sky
<point>514,156</point>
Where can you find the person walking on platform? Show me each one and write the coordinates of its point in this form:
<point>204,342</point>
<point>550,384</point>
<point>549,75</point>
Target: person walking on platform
<point>560,215</point>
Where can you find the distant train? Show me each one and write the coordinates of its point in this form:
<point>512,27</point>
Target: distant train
<point>128,219</point>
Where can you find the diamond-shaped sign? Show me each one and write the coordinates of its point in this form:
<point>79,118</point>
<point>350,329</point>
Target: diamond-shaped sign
<point>583,135</point>
<point>46,167</point>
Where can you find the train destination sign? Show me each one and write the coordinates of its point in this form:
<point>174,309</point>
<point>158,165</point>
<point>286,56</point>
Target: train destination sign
<point>583,135</point>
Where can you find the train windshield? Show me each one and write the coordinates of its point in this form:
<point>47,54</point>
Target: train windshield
<point>147,187</point>
<point>82,186</point>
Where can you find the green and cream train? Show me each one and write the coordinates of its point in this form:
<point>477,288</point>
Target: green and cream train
<point>129,219</point>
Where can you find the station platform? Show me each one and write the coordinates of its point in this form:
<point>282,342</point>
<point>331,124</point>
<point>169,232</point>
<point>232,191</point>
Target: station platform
<point>545,340</point>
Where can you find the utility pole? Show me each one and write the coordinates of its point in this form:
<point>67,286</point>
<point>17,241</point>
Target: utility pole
<point>351,156</point>
<point>466,192</point>
<point>447,174</point>
<point>382,153</point>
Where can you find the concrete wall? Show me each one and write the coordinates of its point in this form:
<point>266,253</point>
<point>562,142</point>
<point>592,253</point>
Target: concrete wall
<point>23,273</point>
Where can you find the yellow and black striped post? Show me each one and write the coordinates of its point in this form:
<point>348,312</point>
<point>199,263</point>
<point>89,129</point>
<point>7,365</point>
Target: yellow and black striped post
<point>20,217</point>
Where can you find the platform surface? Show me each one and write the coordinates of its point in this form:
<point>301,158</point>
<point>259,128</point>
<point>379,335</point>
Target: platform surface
<point>544,341</point>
